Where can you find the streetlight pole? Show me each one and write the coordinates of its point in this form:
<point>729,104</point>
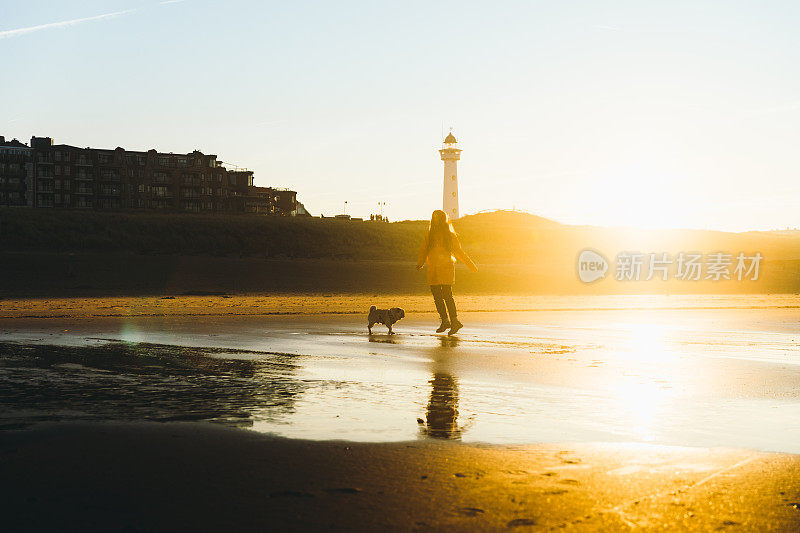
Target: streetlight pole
<point>345,207</point>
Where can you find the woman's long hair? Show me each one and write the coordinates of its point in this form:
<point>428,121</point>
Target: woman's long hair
<point>440,231</point>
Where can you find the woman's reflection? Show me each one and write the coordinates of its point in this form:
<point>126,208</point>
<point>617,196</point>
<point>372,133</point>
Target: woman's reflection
<point>442,415</point>
<point>441,418</point>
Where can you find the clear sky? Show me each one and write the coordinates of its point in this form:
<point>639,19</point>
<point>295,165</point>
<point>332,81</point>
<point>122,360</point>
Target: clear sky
<point>653,114</point>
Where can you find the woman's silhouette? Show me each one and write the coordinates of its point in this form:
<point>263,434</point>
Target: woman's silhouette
<point>441,416</point>
<point>442,413</point>
<point>439,251</point>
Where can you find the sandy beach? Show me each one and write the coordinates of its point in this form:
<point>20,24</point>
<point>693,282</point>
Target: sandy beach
<point>671,413</point>
<point>204,477</point>
<point>338,303</point>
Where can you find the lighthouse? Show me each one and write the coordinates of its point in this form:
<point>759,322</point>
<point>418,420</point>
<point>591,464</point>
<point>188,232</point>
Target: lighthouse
<point>450,155</point>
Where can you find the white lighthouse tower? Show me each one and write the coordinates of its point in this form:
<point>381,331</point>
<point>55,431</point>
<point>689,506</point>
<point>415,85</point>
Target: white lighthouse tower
<point>450,155</point>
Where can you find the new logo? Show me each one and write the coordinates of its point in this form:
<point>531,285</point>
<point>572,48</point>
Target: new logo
<point>591,266</point>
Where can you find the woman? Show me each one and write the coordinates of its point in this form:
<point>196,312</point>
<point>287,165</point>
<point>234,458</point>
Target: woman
<point>440,250</point>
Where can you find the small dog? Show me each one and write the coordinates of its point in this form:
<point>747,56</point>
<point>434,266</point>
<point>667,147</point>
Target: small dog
<point>387,317</point>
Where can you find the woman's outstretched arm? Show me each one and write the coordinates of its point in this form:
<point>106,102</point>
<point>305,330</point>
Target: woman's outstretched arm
<point>462,256</point>
<point>423,254</point>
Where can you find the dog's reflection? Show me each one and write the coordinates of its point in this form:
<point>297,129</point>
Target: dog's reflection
<point>386,339</point>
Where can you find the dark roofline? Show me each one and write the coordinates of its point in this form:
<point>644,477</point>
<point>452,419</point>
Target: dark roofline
<point>14,143</point>
<point>112,150</point>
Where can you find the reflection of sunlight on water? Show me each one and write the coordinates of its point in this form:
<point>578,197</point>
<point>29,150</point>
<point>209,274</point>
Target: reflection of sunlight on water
<point>646,342</point>
<point>358,402</point>
<point>641,402</point>
<point>639,393</point>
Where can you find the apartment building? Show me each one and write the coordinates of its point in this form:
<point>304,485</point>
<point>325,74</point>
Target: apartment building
<point>248,198</point>
<point>16,173</point>
<point>70,177</point>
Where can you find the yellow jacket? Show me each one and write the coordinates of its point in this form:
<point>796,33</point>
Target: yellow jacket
<point>441,264</point>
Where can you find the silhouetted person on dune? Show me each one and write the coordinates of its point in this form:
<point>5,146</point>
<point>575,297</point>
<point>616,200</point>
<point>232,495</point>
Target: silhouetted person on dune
<point>440,251</point>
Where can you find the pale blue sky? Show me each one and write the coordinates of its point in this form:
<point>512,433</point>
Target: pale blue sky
<point>615,113</point>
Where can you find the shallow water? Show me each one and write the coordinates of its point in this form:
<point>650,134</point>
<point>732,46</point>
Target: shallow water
<point>696,377</point>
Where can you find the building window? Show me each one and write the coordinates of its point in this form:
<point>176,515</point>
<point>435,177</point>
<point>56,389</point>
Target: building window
<point>45,200</point>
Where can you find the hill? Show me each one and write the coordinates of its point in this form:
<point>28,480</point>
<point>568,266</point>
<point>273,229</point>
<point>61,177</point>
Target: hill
<point>73,252</point>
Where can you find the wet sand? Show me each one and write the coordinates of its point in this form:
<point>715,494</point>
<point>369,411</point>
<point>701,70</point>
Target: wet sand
<point>701,377</point>
<point>433,433</point>
<point>203,477</point>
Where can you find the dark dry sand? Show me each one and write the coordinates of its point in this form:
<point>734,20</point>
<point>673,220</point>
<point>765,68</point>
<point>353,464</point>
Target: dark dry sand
<point>204,477</point>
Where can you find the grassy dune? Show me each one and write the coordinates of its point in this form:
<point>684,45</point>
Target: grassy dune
<point>215,235</point>
<point>51,253</point>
